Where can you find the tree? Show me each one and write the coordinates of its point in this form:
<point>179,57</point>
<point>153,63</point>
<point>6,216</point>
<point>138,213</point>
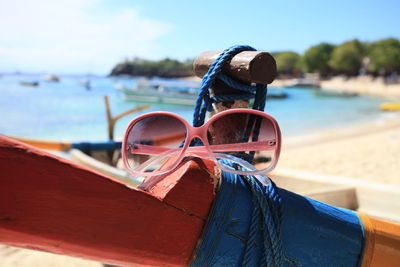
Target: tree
<point>384,55</point>
<point>287,62</point>
<point>347,57</point>
<point>166,68</point>
<point>316,58</point>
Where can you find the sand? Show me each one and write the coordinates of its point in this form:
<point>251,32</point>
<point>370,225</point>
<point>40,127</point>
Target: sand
<point>16,257</point>
<point>368,151</point>
<point>365,85</point>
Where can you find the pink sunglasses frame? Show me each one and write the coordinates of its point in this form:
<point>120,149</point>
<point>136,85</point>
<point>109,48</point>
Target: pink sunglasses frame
<point>201,133</point>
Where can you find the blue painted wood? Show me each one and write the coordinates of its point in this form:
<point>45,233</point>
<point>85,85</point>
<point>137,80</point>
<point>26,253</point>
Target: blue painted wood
<point>317,234</point>
<point>227,227</point>
<point>313,233</point>
<point>87,147</point>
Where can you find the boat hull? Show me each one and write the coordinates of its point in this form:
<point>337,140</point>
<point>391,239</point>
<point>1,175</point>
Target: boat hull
<point>154,98</point>
<point>54,205</point>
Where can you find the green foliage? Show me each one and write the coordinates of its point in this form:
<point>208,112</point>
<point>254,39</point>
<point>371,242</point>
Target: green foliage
<point>384,55</point>
<point>287,62</point>
<point>347,57</point>
<point>317,57</point>
<point>166,68</point>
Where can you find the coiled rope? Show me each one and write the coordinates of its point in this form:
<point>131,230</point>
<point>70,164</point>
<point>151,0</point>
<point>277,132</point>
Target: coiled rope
<point>263,244</point>
<point>204,100</point>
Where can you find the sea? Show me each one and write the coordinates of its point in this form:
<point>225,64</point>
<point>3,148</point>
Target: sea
<point>70,111</point>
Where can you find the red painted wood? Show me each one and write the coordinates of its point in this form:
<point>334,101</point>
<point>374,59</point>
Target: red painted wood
<point>51,204</point>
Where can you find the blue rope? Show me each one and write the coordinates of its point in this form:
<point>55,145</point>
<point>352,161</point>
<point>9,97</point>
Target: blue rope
<point>204,100</point>
<point>265,221</point>
<point>264,230</point>
<point>232,97</point>
<point>224,244</point>
<point>235,84</point>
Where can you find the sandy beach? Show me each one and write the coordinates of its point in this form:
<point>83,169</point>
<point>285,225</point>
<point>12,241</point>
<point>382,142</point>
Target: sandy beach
<point>362,85</point>
<point>17,257</point>
<point>369,151</point>
<point>365,85</point>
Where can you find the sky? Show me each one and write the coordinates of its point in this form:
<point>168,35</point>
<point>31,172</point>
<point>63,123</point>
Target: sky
<point>92,36</point>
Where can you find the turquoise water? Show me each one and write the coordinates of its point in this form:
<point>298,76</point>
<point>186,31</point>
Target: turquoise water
<point>67,111</point>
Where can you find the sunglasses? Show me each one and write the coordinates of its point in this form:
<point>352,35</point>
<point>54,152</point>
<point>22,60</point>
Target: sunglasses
<point>156,143</point>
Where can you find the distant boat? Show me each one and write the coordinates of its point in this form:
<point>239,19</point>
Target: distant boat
<point>277,93</point>
<point>334,93</point>
<point>390,106</point>
<point>85,83</point>
<point>174,92</point>
<point>169,92</point>
<point>26,83</point>
<point>51,78</point>
<point>305,82</point>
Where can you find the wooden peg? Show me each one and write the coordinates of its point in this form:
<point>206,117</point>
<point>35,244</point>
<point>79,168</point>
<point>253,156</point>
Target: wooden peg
<point>247,66</point>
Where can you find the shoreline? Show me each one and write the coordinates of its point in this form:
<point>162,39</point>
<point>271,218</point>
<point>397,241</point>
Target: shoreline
<point>363,85</point>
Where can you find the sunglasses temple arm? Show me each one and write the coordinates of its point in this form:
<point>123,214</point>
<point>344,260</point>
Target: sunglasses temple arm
<point>250,146</point>
<point>147,163</point>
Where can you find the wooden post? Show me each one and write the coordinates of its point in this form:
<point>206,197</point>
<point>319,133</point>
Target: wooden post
<point>111,121</point>
<point>247,67</point>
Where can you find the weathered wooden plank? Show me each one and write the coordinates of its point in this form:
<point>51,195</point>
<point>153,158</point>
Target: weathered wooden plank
<point>342,197</point>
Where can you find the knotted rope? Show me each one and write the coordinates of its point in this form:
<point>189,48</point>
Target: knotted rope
<point>263,245</point>
<point>204,100</point>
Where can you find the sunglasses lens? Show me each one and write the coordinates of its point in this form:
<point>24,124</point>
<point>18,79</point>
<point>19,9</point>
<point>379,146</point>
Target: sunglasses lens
<point>153,143</point>
<point>246,136</point>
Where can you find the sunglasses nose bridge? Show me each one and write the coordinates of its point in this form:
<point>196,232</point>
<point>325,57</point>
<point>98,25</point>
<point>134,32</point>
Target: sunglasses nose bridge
<point>197,132</point>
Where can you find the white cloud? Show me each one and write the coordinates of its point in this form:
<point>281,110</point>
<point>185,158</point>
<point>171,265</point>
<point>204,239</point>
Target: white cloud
<point>73,35</point>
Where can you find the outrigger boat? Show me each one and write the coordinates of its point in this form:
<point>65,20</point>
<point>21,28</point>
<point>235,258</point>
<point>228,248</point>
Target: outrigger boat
<point>55,205</point>
<point>51,78</point>
<point>193,216</point>
<point>333,93</point>
<point>163,91</point>
<point>26,83</point>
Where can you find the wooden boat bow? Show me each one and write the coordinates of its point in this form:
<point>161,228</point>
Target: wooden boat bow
<point>51,204</point>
